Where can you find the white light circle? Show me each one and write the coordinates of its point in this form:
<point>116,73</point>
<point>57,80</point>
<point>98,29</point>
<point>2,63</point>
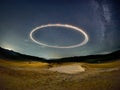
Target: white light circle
<point>60,25</point>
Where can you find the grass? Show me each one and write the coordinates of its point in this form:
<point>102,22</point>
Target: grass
<point>24,64</point>
<point>13,79</point>
<point>104,65</point>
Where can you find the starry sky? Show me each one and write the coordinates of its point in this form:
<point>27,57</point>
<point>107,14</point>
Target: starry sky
<point>98,18</point>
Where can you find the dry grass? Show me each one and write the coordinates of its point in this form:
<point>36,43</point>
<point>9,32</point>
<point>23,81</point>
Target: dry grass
<point>104,65</point>
<point>92,79</point>
<point>32,64</point>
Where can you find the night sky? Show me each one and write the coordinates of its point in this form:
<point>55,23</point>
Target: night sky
<point>100,19</point>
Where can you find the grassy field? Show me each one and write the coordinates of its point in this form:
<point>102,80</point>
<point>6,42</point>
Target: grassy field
<point>16,75</point>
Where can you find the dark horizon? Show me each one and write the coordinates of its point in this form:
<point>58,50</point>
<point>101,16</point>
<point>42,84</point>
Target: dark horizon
<point>100,58</point>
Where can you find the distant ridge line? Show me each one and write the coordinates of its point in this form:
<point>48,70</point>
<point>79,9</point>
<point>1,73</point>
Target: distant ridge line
<point>11,55</point>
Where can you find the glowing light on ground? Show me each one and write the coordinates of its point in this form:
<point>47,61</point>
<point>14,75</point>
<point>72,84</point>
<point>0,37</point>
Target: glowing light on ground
<point>60,25</point>
<point>7,46</point>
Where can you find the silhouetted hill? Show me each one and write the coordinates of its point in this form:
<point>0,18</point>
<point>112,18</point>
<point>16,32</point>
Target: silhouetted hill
<point>8,54</point>
<point>91,58</point>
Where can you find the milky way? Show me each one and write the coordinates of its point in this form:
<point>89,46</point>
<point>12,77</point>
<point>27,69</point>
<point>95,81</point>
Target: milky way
<point>99,19</point>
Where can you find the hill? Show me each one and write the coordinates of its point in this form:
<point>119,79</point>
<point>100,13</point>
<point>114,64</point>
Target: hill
<point>11,55</point>
<point>8,54</point>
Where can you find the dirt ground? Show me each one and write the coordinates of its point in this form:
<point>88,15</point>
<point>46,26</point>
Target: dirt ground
<point>39,76</point>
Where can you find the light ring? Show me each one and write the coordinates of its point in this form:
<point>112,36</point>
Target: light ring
<point>60,25</point>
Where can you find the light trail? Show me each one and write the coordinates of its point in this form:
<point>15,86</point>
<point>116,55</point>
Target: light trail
<point>60,25</point>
